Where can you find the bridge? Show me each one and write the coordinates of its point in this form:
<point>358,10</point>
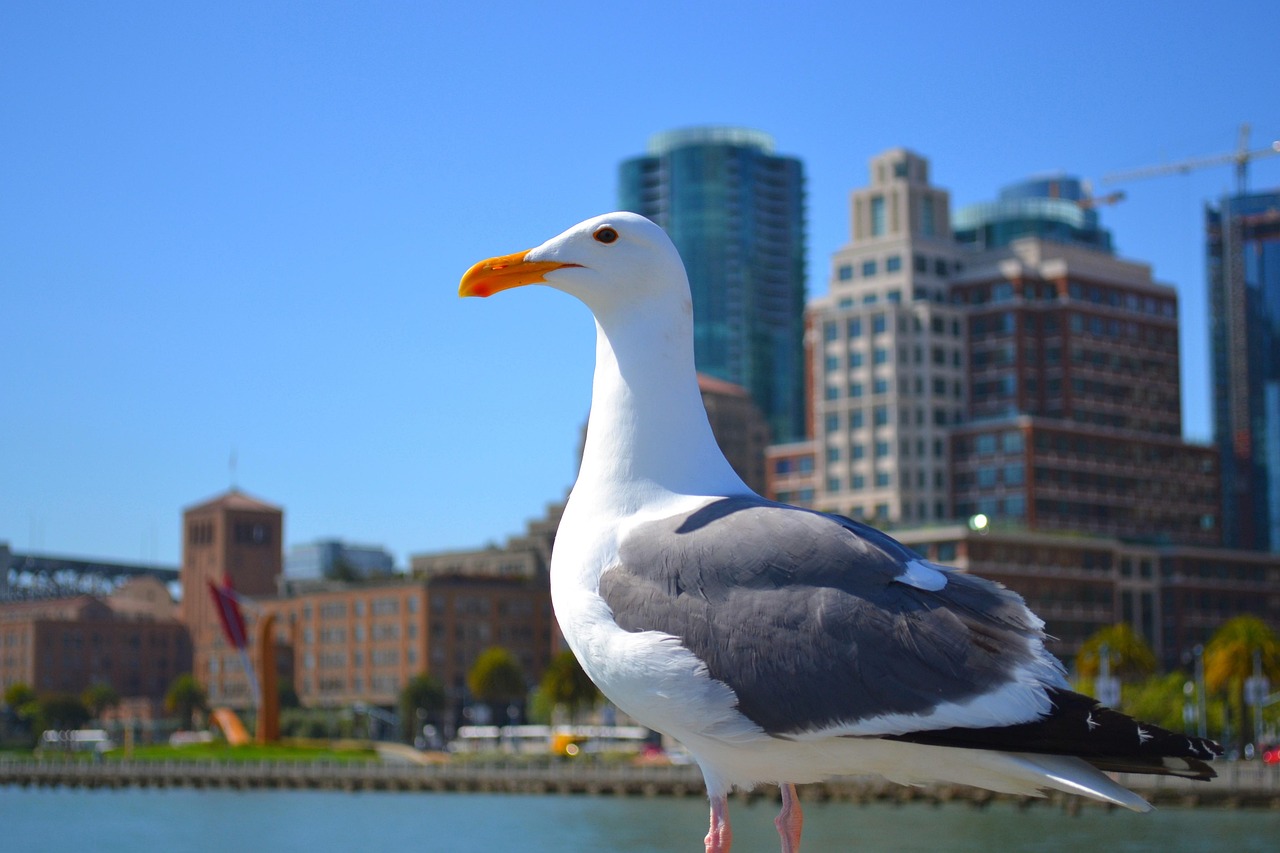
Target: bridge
<point>28,576</point>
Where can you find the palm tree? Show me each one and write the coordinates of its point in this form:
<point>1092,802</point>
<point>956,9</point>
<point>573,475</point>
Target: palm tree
<point>1229,659</point>
<point>1130,656</point>
<point>100,697</point>
<point>184,698</point>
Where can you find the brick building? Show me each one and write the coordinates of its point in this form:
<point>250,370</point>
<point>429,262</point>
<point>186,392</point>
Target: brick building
<point>130,639</point>
<point>1174,595</point>
<point>340,643</point>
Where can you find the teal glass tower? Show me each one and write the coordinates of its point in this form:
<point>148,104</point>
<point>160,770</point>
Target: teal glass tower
<point>1053,207</point>
<point>735,211</point>
<point>1243,234</point>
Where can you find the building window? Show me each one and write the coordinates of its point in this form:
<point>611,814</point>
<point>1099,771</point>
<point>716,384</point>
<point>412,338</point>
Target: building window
<point>858,451</point>
<point>833,454</point>
<point>927,225</point>
<point>844,272</point>
<point>833,484</point>
<point>882,449</point>
<point>252,534</point>
<point>893,263</point>
<point>859,482</point>
<point>882,386</point>
<point>856,419</point>
<point>868,269</point>
<point>880,356</point>
<point>855,327</point>
<point>880,415</point>
<point>833,423</point>
<point>878,324</point>
<point>855,389</point>
<point>829,332</point>
<point>877,216</point>
<point>855,359</point>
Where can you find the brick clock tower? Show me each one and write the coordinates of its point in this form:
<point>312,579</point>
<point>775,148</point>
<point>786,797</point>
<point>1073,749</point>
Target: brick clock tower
<point>236,537</point>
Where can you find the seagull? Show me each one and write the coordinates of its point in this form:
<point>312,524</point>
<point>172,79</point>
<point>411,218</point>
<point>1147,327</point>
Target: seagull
<point>777,644</point>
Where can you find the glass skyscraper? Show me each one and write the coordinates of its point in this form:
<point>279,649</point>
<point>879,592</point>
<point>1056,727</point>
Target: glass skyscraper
<point>1244,315</point>
<point>1054,207</point>
<point>735,211</point>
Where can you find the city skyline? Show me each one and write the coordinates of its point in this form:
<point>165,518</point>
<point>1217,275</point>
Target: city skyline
<point>240,232</point>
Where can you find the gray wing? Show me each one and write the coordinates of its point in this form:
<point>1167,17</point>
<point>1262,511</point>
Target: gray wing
<point>801,615</point>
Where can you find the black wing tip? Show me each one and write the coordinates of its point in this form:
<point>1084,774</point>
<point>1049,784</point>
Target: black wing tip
<point>1079,726</point>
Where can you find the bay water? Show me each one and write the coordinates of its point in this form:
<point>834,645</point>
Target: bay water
<point>214,821</point>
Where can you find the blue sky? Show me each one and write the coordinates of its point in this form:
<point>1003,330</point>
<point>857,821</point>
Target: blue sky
<point>240,226</point>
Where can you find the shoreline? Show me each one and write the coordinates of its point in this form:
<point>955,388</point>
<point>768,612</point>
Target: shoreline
<point>1239,784</point>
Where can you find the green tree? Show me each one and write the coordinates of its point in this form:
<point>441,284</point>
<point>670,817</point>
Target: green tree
<point>423,692</point>
<point>1131,657</point>
<point>62,711</point>
<point>496,678</point>
<point>1161,699</point>
<point>99,698</point>
<point>1229,658</point>
<point>288,696</point>
<point>565,683</point>
<point>21,710</point>
<point>20,699</point>
<point>184,697</point>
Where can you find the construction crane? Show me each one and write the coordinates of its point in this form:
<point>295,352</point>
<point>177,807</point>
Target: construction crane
<point>1091,202</point>
<point>1241,157</point>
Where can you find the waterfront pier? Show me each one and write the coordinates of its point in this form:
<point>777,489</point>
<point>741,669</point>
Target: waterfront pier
<point>1239,784</point>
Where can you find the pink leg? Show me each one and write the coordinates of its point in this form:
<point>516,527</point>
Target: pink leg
<point>790,820</point>
<point>719,837</point>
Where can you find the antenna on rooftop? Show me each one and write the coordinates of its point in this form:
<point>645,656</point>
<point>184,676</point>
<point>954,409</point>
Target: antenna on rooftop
<point>231,466</point>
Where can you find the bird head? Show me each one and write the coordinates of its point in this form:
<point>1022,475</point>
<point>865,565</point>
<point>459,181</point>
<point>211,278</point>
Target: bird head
<point>609,262</point>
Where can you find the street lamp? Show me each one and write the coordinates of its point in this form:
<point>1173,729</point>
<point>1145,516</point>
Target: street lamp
<point>1106,689</point>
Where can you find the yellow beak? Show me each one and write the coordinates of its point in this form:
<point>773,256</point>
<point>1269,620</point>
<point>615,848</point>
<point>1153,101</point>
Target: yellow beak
<point>489,277</point>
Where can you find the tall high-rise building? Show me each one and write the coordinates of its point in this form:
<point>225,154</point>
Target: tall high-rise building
<point>1074,414</point>
<point>1030,377</point>
<point>888,352</point>
<point>1074,411</point>
<point>736,212</point>
<point>1244,310</point>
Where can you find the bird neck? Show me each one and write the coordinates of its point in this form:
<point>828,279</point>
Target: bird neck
<point>648,436</point>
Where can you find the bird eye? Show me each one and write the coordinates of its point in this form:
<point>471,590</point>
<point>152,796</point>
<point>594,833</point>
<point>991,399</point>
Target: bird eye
<point>605,235</point>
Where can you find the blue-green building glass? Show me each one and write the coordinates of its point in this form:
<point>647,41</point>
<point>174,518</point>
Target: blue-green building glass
<point>735,211</point>
<point>1243,234</point>
<point>1056,207</point>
